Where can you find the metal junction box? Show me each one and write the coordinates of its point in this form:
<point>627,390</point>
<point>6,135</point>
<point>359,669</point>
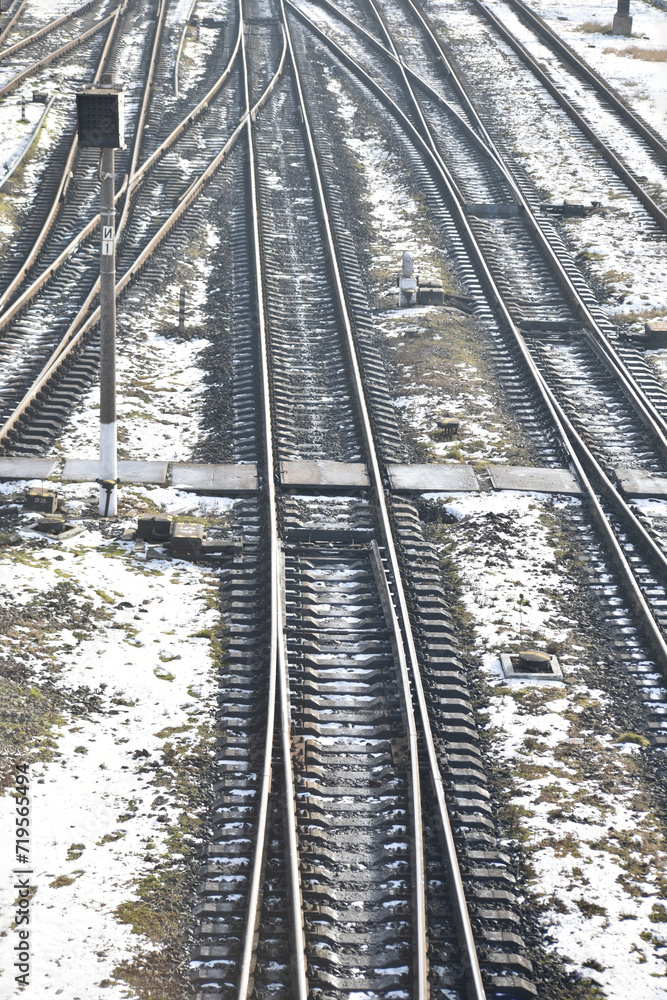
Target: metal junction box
<point>430,293</point>
<point>101,117</point>
<point>152,528</point>
<point>41,500</point>
<point>186,540</point>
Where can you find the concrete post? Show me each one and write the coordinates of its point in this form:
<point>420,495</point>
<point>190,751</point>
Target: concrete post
<point>23,117</point>
<point>407,283</point>
<point>622,21</point>
<point>108,471</point>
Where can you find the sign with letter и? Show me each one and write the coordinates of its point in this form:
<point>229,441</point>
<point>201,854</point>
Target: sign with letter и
<point>107,241</point>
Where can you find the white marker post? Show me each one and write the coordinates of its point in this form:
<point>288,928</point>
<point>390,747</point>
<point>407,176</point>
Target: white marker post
<point>108,471</point>
<point>100,112</point>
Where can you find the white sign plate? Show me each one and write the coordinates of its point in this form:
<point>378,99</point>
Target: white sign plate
<point>107,241</point>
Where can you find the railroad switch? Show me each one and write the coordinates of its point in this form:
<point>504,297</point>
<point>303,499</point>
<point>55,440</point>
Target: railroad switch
<point>40,499</point>
<point>531,664</point>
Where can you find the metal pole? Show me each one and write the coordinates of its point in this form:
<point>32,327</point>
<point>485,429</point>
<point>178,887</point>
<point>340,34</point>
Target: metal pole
<point>108,470</point>
<point>181,312</point>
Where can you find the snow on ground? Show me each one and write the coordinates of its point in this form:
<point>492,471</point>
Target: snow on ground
<point>561,163</point>
<point>160,384</point>
<point>198,47</point>
<point>629,64</point>
<point>449,387</point>
<point>597,855</point>
<point>99,819</point>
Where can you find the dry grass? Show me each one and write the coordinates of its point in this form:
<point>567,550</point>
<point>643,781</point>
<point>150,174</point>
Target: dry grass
<point>648,55</point>
<point>595,28</point>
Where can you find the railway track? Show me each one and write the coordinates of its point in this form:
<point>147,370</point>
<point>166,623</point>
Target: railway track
<point>343,665</point>
<point>505,221</point>
<point>354,844</point>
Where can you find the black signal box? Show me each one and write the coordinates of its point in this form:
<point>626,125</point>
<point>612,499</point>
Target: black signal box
<point>101,117</point>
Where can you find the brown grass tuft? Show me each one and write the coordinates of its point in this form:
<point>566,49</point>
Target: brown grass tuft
<point>595,28</point>
<point>648,55</point>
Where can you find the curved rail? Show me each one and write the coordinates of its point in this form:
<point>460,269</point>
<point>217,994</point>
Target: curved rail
<point>30,259</point>
<point>12,20</point>
<point>561,47</point>
<point>403,633</point>
<point>141,119</point>
<point>35,67</point>
<point>46,29</point>
<point>181,42</point>
<point>575,448</point>
<point>603,148</point>
<point>278,678</point>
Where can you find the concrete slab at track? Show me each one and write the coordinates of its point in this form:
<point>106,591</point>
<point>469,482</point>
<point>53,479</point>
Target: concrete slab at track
<point>641,484</point>
<point>322,475</point>
<point>433,478</point>
<point>84,470</point>
<point>517,477</point>
<point>223,479</point>
<point>26,468</point>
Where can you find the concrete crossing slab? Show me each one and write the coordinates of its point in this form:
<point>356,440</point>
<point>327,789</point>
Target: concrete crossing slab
<point>320,474</point>
<point>453,478</point>
<point>517,477</point>
<point>221,479</point>
<point>640,484</point>
<point>86,470</point>
<point>20,467</point>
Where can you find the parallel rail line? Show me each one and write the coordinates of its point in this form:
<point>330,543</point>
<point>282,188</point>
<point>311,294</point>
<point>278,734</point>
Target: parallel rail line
<point>603,147</point>
<point>47,60</point>
<point>46,29</point>
<point>579,454</point>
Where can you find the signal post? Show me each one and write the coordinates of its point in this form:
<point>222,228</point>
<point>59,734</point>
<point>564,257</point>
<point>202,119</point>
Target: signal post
<point>100,116</point>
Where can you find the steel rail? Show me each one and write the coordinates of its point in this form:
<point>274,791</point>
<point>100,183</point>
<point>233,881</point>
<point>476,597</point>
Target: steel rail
<point>47,27</point>
<point>7,28</point>
<point>73,337</point>
<point>414,784</point>
<point>141,119</point>
<point>17,280</point>
<point>457,890</point>
<point>181,43</point>
<point>27,145</point>
<point>590,76</point>
<point>603,148</point>
<point>575,448</point>
<point>598,342</point>
<point>278,670</point>
<point>10,313</point>
<point>35,67</point>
